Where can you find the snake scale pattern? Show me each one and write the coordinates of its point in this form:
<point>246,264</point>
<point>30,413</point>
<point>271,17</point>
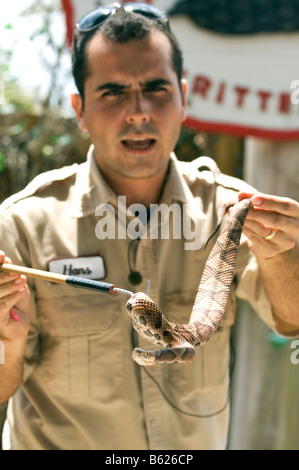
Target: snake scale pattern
<point>178,341</point>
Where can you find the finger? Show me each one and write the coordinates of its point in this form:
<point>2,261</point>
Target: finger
<point>245,195</point>
<point>285,236</point>
<point>5,277</point>
<point>260,246</point>
<point>16,325</point>
<point>269,219</point>
<point>8,302</point>
<point>267,248</point>
<point>4,258</point>
<point>261,230</point>
<point>8,277</point>
<point>18,285</point>
<point>281,205</point>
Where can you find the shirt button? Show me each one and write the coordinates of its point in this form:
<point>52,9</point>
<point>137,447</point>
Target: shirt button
<point>153,423</point>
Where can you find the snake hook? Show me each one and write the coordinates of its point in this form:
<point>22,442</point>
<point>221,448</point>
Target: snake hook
<point>148,285</point>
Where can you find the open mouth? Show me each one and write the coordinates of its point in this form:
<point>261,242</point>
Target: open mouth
<point>138,144</point>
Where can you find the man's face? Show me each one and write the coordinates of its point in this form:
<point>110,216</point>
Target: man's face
<point>133,105</point>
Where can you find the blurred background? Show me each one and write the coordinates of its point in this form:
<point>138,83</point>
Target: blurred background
<point>241,59</point>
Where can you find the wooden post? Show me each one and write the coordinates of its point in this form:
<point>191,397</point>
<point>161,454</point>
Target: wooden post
<point>265,398</point>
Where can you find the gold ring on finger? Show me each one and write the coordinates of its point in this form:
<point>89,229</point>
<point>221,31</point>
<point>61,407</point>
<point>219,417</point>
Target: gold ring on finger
<point>271,234</point>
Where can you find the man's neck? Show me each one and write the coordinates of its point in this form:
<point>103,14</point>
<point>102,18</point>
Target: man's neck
<point>142,191</point>
<point>145,191</point>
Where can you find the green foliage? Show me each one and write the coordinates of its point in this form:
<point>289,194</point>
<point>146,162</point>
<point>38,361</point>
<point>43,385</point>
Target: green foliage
<point>34,134</point>
<point>2,162</point>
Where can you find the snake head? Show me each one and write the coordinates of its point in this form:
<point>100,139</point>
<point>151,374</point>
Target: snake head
<point>149,321</point>
<point>138,303</point>
<point>144,311</point>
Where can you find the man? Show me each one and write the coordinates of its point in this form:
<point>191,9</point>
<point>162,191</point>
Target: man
<point>68,365</point>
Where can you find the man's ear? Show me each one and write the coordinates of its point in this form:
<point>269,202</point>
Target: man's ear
<point>184,87</point>
<point>77,105</point>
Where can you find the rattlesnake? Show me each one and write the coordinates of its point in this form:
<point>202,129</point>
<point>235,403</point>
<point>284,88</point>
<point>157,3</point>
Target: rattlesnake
<point>178,341</point>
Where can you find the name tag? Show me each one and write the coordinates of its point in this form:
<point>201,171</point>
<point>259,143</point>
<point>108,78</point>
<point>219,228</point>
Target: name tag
<point>89,267</point>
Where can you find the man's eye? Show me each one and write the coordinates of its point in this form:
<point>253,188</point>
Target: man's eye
<point>113,92</point>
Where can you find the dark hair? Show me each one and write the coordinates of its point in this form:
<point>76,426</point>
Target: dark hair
<point>120,28</point>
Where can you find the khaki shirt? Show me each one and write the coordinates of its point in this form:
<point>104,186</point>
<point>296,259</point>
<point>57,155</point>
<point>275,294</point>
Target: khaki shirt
<point>81,388</point>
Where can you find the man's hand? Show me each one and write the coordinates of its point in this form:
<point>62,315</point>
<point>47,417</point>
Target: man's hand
<point>14,327</point>
<point>272,229</point>
<point>14,303</point>
<point>272,225</point>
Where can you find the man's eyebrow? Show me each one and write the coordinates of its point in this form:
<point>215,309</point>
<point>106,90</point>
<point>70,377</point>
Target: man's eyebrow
<point>112,86</point>
<point>151,83</point>
<point>156,82</point>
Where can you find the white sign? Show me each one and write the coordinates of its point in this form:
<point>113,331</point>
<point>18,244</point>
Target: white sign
<point>237,84</point>
<point>240,84</point>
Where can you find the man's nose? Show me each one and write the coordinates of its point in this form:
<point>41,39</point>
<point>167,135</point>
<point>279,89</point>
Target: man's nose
<point>138,109</point>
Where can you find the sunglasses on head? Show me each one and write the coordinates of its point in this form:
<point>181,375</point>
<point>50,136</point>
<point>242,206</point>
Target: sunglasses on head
<point>95,18</point>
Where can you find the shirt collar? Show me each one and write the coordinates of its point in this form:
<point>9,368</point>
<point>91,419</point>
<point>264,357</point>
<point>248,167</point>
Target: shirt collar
<point>91,189</point>
<point>177,189</point>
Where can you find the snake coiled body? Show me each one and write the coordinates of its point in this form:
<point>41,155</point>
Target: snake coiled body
<point>178,341</point>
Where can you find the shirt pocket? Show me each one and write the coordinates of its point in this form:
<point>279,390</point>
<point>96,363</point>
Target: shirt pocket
<point>208,373</point>
<point>81,342</point>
